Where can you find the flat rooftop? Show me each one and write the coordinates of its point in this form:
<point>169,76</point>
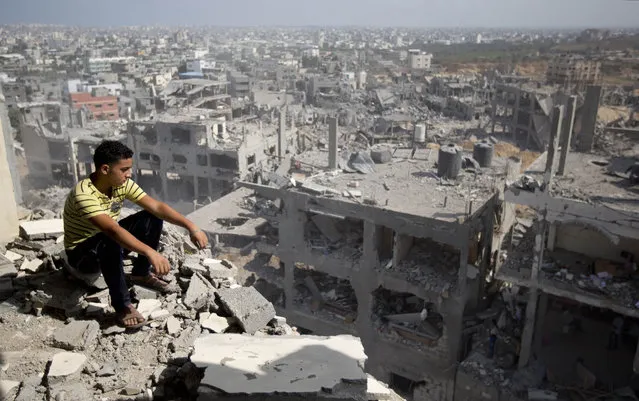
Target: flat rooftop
<point>239,213</point>
<point>409,185</point>
<point>597,180</point>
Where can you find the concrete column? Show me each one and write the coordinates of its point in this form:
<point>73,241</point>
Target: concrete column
<point>539,328</point>
<point>281,135</point>
<point>9,210</point>
<point>73,160</point>
<point>566,133</point>
<point>553,143</point>
<point>5,127</point>
<point>531,308</point>
<point>196,188</point>
<point>332,143</point>
<point>589,118</point>
<point>552,236</point>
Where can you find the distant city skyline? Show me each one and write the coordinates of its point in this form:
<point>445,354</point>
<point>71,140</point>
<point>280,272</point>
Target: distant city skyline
<point>409,13</point>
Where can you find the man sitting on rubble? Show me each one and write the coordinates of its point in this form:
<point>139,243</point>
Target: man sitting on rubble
<point>95,241</point>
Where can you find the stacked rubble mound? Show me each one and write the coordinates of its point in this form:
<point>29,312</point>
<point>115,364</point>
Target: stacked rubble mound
<point>211,339</point>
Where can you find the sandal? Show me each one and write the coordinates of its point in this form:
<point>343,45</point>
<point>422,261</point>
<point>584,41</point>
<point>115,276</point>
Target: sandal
<point>153,282</point>
<point>134,314</point>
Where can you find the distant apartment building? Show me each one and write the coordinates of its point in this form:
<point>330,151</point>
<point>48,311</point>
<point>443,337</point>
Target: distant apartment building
<point>94,65</point>
<point>240,84</point>
<point>200,66</point>
<point>419,60</point>
<point>572,70</point>
<point>199,155</point>
<point>99,107</point>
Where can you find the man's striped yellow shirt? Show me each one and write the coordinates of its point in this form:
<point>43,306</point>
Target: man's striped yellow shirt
<point>86,201</point>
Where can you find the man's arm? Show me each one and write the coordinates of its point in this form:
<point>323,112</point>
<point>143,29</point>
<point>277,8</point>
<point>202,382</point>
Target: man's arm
<point>114,231</point>
<point>165,212</point>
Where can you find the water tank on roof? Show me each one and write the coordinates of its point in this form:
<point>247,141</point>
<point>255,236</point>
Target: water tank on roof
<point>449,163</point>
<point>420,133</point>
<point>483,153</point>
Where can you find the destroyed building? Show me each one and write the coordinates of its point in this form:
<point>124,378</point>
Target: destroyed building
<point>573,72</point>
<point>569,298</point>
<point>59,141</point>
<point>397,254</point>
<point>198,155</point>
<point>197,93</point>
<point>522,112</point>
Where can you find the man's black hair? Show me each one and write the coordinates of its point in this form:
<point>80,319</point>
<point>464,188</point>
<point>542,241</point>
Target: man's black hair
<point>109,152</point>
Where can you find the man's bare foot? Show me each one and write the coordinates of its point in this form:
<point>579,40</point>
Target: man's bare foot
<point>131,318</point>
<point>153,282</point>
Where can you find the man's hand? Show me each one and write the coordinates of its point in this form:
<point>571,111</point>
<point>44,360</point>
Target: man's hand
<point>160,264</point>
<point>199,238</point>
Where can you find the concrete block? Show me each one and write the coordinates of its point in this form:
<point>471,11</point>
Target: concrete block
<point>8,388</point>
<point>381,156</point>
<point>376,390</point>
<point>189,269</point>
<point>78,335</point>
<point>215,323</point>
<point>31,266</point>
<point>199,292</point>
<point>148,306</point>
<point>141,293</point>
<point>173,325</point>
<point>217,269</point>
<point>160,314</point>
<point>41,229</point>
<point>301,365</point>
<point>248,306</point>
<point>65,365</point>
<point>12,256</point>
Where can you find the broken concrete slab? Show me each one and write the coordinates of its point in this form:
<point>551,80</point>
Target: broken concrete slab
<point>141,293</point>
<point>303,365</point>
<point>65,365</point>
<point>160,314</point>
<point>376,390</point>
<point>31,266</point>
<point>190,268</point>
<point>248,306</point>
<point>217,269</point>
<point>12,256</point>
<point>199,292</point>
<point>148,306</point>
<point>215,323</point>
<point>41,229</point>
<point>78,335</point>
<point>8,389</point>
<point>173,325</point>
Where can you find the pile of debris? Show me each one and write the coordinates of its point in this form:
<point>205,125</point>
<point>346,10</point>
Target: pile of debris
<point>211,339</point>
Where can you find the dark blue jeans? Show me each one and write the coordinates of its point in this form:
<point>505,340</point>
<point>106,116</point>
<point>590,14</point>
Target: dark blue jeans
<point>101,253</point>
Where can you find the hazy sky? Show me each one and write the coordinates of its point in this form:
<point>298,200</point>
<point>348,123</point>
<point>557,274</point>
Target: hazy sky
<point>422,13</point>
